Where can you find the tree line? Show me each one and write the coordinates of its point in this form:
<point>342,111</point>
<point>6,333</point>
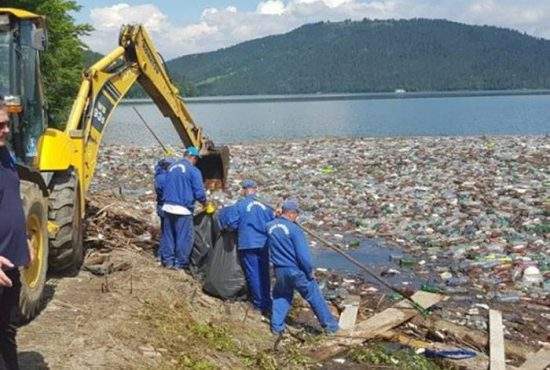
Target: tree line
<point>373,56</point>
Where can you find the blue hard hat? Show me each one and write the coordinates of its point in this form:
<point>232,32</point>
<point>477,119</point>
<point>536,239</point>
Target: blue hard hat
<point>192,151</point>
<point>291,205</point>
<point>249,184</point>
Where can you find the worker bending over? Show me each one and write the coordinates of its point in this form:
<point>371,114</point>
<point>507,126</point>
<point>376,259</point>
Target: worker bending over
<point>251,217</point>
<point>183,186</point>
<point>291,259</point>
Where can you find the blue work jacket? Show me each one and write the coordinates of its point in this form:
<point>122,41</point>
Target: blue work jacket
<point>288,246</point>
<point>161,169</point>
<point>249,218</point>
<point>228,218</point>
<point>13,230</point>
<point>183,185</point>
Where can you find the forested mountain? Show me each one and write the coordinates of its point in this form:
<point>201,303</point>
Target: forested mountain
<point>90,57</point>
<point>372,56</point>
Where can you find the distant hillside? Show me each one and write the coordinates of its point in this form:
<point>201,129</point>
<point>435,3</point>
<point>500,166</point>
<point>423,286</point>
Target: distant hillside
<point>373,56</point>
<point>90,57</point>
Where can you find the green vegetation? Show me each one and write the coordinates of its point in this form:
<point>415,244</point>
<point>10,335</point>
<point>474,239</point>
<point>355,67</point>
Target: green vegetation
<point>63,61</point>
<point>188,340</point>
<point>377,355</point>
<point>373,56</point>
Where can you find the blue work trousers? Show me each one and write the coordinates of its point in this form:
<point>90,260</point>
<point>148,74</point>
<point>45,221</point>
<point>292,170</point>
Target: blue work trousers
<point>176,243</point>
<point>289,279</point>
<point>255,263</point>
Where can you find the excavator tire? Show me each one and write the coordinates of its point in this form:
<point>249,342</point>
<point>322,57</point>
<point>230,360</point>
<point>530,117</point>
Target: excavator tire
<point>66,247</point>
<point>33,277</point>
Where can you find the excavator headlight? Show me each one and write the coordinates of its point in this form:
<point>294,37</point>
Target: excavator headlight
<point>13,103</point>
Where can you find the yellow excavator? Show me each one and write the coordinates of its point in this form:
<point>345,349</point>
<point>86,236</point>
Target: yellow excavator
<point>57,166</point>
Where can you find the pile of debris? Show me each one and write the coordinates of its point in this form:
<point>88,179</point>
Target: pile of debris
<point>479,200</point>
<point>471,211</point>
<point>365,312</point>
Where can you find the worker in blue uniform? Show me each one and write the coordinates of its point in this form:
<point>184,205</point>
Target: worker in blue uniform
<point>183,187</point>
<point>250,219</point>
<point>289,250</point>
<point>161,169</point>
<point>15,250</point>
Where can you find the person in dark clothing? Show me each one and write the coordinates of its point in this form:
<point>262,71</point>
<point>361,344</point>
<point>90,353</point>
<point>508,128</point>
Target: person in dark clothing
<point>14,248</point>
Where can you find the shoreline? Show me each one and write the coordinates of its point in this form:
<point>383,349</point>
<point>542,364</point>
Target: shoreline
<point>347,96</point>
<point>346,138</point>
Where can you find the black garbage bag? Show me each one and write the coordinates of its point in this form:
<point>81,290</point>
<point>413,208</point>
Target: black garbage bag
<point>224,276</point>
<point>206,233</point>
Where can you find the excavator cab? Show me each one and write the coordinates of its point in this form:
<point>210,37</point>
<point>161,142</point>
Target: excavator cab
<point>22,38</point>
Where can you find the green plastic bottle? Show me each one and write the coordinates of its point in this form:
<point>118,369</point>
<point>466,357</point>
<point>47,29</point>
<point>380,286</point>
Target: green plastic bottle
<point>430,288</point>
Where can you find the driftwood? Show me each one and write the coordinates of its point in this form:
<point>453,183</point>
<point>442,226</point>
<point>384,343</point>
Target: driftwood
<point>377,324</point>
<point>496,341</point>
<point>537,361</point>
<point>348,317</point>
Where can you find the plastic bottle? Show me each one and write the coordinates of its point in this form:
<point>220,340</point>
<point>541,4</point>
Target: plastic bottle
<point>430,288</point>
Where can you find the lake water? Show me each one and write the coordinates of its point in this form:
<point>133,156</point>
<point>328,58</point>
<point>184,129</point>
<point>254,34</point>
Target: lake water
<point>238,120</point>
<point>376,256</point>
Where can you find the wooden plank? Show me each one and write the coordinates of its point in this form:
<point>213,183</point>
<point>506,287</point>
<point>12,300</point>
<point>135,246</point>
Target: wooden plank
<point>537,361</point>
<point>396,315</point>
<point>348,317</point>
<point>377,324</point>
<point>496,341</point>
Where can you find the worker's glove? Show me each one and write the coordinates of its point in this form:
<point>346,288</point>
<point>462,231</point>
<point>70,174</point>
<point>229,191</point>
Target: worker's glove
<point>210,207</point>
<point>168,152</point>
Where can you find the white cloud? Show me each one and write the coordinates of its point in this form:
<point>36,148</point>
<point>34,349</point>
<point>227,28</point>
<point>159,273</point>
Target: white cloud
<point>222,27</point>
<point>113,17</point>
<point>329,3</point>
<point>271,7</point>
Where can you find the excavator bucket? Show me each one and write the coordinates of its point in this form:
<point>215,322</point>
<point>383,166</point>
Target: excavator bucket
<point>214,167</point>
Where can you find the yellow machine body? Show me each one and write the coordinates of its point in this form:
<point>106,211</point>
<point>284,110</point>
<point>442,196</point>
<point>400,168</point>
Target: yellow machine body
<point>58,169</point>
<point>103,87</point>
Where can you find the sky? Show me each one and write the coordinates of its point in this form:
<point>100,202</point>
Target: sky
<point>180,27</point>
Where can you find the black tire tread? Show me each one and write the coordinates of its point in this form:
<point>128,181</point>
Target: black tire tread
<point>62,203</point>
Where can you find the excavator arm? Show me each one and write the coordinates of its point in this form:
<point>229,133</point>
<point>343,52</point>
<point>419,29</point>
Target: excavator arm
<point>57,166</point>
<point>103,87</point>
